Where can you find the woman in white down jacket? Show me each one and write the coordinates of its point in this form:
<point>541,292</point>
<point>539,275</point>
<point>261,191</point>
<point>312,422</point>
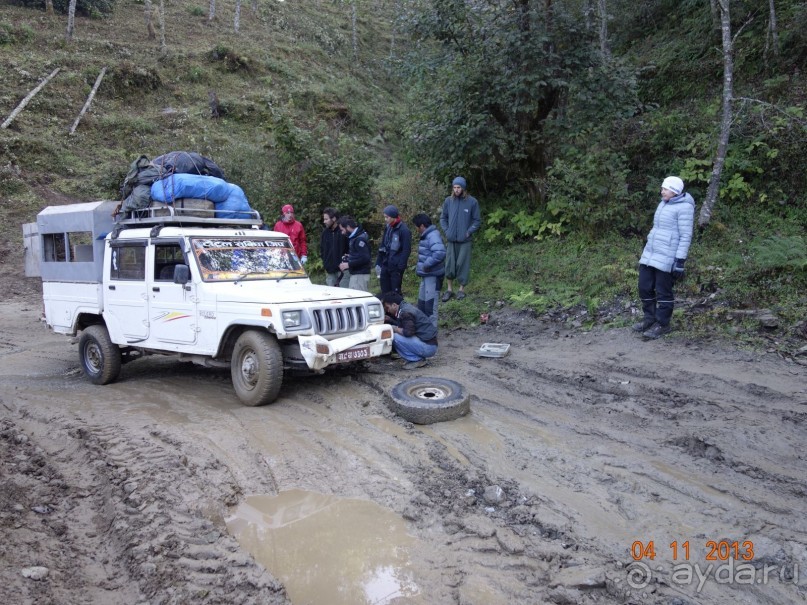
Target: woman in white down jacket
<point>664,257</point>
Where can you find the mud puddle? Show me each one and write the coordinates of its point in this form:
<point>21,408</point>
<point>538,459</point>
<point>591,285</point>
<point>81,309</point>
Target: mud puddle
<point>328,550</point>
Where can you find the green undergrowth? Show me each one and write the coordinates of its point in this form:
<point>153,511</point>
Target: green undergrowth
<point>730,279</point>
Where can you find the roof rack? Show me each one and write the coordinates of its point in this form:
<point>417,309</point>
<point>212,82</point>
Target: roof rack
<point>165,214</point>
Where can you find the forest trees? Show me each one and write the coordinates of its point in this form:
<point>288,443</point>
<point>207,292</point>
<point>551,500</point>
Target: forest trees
<point>494,81</point>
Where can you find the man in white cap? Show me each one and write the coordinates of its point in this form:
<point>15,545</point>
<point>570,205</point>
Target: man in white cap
<point>664,256</point>
<point>459,220</point>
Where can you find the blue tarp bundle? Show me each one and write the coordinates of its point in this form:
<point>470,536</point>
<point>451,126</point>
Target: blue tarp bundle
<point>229,199</point>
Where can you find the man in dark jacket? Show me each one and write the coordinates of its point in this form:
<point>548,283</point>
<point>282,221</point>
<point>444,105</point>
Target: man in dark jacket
<point>357,260</point>
<point>332,247</point>
<point>393,254</point>
<point>415,338</point>
<point>459,220</point>
<point>431,266</point>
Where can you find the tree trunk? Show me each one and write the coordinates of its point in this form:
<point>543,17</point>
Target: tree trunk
<point>588,11</point>
<point>163,46</point>
<point>773,31</point>
<point>48,7</point>
<point>237,20</point>
<point>725,122</point>
<point>354,24</point>
<point>715,12</point>
<point>602,13</point>
<point>149,25</point>
<point>211,13</point>
<point>71,20</point>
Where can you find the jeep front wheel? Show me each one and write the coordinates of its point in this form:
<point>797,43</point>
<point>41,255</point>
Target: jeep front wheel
<point>100,357</point>
<point>257,368</point>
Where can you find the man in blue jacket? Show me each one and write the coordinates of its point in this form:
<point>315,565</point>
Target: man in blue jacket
<point>357,259</point>
<point>663,257</point>
<point>414,336</point>
<point>393,254</point>
<point>431,265</point>
<point>459,220</point>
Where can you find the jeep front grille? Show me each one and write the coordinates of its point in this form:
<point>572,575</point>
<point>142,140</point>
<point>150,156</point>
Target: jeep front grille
<point>337,320</point>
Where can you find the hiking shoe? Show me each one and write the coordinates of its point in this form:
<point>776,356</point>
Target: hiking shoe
<point>414,365</point>
<point>643,326</point>
<point>460,295</point>
<point>394,355</point>
<point>657,331</point>
<point>447,296</point>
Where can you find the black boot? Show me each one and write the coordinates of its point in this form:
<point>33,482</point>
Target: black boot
<point>643,325</point>
<point>657,331</point>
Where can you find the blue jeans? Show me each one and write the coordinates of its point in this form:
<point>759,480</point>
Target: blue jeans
<point>411,348</point>
<point>429,295</point>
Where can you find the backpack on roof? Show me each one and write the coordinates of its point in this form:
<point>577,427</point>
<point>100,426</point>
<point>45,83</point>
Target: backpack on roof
<point>136,187</point>
<point>187,162</point>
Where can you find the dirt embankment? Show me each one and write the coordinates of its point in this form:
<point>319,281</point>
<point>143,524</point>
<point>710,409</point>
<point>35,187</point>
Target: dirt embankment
<point>595,441</point>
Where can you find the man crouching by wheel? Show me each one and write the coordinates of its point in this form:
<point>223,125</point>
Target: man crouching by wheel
<point>415,336</point>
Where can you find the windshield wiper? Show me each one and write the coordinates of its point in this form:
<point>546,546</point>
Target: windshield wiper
<point>247,274</point>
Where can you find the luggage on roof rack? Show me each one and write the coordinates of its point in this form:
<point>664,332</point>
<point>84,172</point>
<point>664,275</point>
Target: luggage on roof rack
<point>187,214</point>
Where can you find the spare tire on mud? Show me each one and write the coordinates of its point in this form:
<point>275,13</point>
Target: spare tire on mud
<point>426,400</point>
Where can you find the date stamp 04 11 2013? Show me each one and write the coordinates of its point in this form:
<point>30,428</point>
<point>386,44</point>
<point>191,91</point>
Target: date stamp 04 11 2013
<point>726,562</point>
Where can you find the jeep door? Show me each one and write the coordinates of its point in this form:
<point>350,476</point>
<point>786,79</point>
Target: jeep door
<point>125,297</point>
<point>172,307</point>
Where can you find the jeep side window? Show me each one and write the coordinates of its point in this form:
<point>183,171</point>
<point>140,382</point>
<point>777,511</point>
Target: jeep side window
<point>128,261</point>
<point>166,257</point>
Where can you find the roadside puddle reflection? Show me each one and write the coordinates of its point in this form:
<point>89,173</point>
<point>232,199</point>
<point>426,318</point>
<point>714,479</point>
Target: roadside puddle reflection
<point>328,550</point>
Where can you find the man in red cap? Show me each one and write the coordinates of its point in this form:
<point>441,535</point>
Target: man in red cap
<point>294,229</point>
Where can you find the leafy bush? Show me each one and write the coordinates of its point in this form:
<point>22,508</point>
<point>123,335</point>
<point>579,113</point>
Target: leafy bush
<point>781,253</point>
<point>588,190</point>
<point>15,34</point>
<point>504,224</point>
<point>314,169</point>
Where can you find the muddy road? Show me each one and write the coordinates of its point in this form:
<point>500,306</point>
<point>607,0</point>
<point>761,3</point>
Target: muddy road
<point>593,468</point>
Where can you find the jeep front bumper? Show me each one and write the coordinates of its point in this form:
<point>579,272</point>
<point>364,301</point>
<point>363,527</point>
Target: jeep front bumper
<point>319,353</point>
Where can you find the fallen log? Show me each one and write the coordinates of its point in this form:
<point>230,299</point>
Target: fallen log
<point>89,100</point>
<point>30,96</point>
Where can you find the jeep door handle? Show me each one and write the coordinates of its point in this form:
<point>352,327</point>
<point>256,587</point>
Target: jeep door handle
<point>155,289</point>
<point>111,287</point>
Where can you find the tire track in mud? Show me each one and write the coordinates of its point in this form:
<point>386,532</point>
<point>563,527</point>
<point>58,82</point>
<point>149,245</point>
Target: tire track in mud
<point>653,410</point>
<point>155,518</point>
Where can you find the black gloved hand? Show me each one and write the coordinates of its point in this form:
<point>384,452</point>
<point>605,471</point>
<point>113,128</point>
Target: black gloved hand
<point>678,269</point>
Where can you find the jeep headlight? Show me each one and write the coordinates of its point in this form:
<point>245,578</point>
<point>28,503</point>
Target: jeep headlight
<point>374,312</point>
<point>292,319</point>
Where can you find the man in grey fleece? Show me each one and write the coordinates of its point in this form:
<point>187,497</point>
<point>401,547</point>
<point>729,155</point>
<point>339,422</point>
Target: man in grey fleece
<point>459,220</point>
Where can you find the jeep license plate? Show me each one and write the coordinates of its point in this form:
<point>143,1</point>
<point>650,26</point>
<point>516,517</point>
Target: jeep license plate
<point>353,354</point>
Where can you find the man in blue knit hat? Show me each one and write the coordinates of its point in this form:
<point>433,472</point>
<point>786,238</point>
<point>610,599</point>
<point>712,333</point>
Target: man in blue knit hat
<point>459,220</point>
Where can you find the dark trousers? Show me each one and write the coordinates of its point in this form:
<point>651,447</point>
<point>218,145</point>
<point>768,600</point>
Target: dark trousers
<point>656,292</point>
<point>390,280</point>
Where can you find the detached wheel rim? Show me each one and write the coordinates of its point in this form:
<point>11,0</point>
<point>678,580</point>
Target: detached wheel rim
<point>429,392</point>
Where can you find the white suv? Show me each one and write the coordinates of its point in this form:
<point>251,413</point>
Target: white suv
<point>220,293</point>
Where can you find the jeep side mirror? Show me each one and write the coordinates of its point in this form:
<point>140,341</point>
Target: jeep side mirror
<point>182,274</point>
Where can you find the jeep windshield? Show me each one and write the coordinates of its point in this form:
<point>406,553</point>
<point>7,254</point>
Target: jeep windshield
<point>238,258</point>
